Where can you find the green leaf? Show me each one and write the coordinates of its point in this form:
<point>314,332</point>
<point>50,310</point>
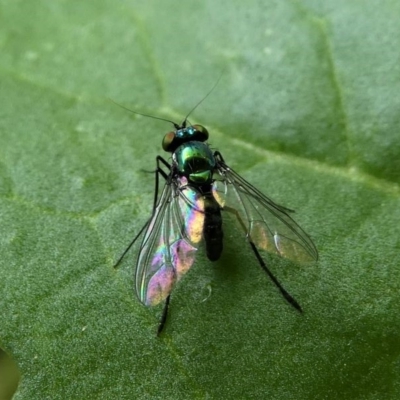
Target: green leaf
<point>307,110</point>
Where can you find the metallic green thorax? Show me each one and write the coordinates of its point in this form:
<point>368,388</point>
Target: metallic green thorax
<point>196,161</point>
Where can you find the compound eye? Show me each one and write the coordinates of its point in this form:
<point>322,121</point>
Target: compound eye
<point>167,141</point>
<point>202,133</point>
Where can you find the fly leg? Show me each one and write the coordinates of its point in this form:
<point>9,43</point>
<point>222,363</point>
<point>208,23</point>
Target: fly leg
<point>158,171</point>
<point>131,244</point>
<point>289,298</point>
<point>164,315</point>
<point>219,157</point>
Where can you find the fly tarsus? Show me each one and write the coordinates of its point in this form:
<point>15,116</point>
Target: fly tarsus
<point>130,245</point>
<point>164,315</point>
<point>288,297</point>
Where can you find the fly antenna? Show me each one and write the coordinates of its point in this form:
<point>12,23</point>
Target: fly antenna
<point>212,89</point>
<point>145,115</point>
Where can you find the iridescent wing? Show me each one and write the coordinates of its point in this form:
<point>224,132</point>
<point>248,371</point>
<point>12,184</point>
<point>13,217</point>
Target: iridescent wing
<point>169,243</point>
<point>267,224</point>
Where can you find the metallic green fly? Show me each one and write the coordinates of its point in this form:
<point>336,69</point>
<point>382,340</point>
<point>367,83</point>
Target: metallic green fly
<point>198,188</point>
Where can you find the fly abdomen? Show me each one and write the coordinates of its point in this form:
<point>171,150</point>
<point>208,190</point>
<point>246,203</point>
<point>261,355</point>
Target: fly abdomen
<point>212,229</point>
